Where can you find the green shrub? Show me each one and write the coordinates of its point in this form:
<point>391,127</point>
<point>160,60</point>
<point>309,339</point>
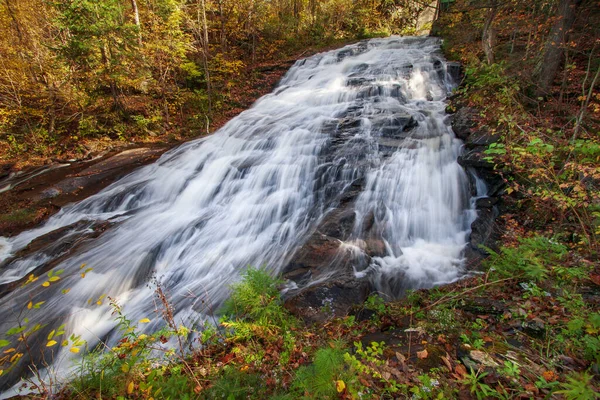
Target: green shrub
<point>533,259</point>
<point>255,308</point>
<point>325,377</point>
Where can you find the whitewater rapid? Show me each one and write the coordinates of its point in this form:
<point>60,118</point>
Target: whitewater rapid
<point>252,192</point>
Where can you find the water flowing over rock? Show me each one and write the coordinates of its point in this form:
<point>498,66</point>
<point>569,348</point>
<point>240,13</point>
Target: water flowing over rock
<point>345,179</point>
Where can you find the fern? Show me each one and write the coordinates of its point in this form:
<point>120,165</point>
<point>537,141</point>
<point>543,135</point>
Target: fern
<point>319,379</point>
<point>255,308</point>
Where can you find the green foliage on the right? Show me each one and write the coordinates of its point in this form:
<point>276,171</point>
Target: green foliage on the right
<point>534,258</point>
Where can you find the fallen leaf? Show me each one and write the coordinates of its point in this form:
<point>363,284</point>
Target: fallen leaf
<point>531,388</point>
<point>422,354</point>
<point>460,370</point>
<point>550,376</point>
<point>400,357</point>
<point>595,278</point>
<point>447,362</point>
<point>364,382</point>
<point>130,388</point>
<point>340,386</point>
<point>483,358</point>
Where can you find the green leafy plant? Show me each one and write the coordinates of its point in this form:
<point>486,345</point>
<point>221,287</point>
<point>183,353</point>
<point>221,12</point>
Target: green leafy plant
<point>255,308</point>
<point>327,376</point>
<point>532,259</point>
<point>578,387</point>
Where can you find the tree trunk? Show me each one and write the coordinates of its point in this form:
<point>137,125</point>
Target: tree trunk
<point>136,19</point>
<point>222,33</point>
<point>488,37</point>
<point>114,89</point>
<point>552,55</point>
<point>205,54</point>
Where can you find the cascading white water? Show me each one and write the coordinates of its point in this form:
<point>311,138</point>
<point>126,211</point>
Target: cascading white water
<point>252,192</point>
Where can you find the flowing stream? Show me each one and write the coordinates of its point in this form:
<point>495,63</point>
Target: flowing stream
<point>250,194</point>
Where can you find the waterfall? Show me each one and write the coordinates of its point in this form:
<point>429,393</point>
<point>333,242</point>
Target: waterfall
<point>250,194</point>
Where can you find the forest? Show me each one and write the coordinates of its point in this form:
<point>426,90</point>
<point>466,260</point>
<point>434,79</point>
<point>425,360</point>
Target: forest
<point>79,77</point>
<point>78,72</point>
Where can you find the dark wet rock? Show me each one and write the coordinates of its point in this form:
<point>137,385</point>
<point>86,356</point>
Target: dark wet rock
<point>481,138</point>
<point>371,91</point>
<point>394,126</point>
<point>319,251</point>
<point>335,297</point>
<point>54,247</point>
<point>486,202</point>
<point>396,93</point>
<point>475,158</point>
<point>455,70</point>
<point>339,223</point>
<point>5,170</point>
<point>463,122</point>
<point>360,67</point>
<point>483,306</point>
<point>535,328</point>
<point>375,247</point>
<point>50,193</point>
<point>111,168</point>
<point>46,189</point>
<point>359,81</point>
<point>482,229</point>
<point>363,314</point>
<point>324,266</point>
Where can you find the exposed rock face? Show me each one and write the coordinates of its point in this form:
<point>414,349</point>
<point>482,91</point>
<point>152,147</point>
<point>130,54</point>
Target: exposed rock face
<point>484,230</point>
<point>324,269</point>
<point>51,187</point>
<point>327,265</point>
<point>52,248</point>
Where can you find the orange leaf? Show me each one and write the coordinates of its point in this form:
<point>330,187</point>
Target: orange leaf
<point>422,354</point>
<point>460,370</point>
<point>550,376</point>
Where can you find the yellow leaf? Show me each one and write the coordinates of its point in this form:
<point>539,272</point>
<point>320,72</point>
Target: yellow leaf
<point>144,320</point>
<point>130,388</point>
<point>125,368</point>
<point>74,350</point>
<point>54,279</point>
<point>46,284</point>
<point>340,386</point>
<point>51,343</point>
<point>16,357</point>
<point>142,336</point>
<point>29,305</point>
